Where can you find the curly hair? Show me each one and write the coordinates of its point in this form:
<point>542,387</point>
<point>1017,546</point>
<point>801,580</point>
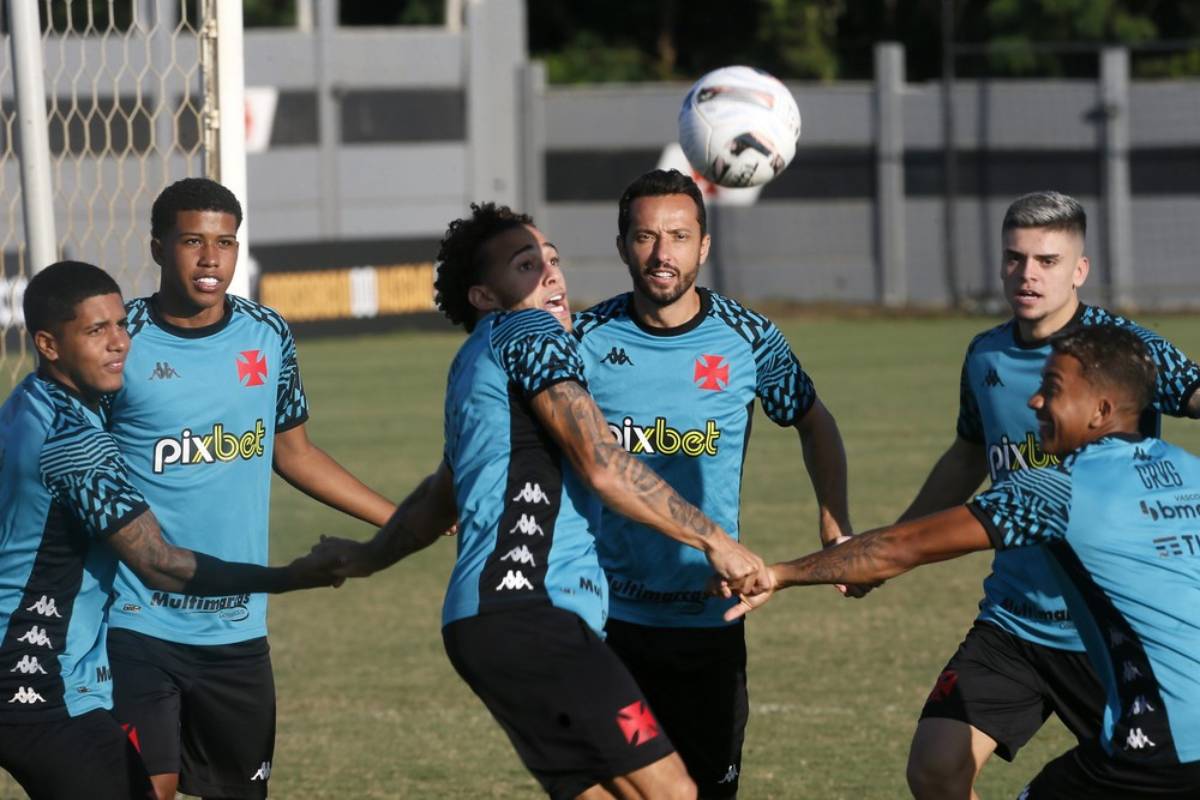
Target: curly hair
<point>1111,356</point>
<point>460,258</point>
<point>191,194</point>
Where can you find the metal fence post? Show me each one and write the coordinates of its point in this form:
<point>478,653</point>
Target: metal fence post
<point>496,52</point>
<point>889,174</point>
<point>1118,205</point>
<point>37,193</point>
<point>532,132</point>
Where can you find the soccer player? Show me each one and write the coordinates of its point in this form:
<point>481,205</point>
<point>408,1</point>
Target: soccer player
<point>66,507</point>
<point>526,448</point>
<point>212,402</point>
<point>1115,518</point>
<point>1023,659</point>
<point>676,369</point>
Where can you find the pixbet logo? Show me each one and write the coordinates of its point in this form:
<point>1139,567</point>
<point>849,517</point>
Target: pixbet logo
<point>209,448</point>
<point>664,440</point>
<point>1007,456</point>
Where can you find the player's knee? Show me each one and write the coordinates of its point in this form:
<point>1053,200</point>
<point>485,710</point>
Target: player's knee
<point>933,776</point>
<point>939,779</point>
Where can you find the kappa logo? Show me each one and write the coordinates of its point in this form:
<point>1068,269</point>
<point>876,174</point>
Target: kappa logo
<point>28,664</point>
<point>532,493</point>
<point>208,448</point>
<point>731,775</point>
<point>521,555</point>
<point>617,357</point>
<point>992,379</point>
<point>637,723</point>
<point>1136,740</point>
<point>528,526</point>
<point>263,773</point>
<point>514,580</point>
<point>1141,455</point>
<point>26,696</point>
<point>163,372</point>
<point>251,368</point>
<point>36,636</point>
<point>1129,672</point>
<point>1117,638</point>
<point>711,373</point>
<point>1140,706</point>
<point>45,606</point>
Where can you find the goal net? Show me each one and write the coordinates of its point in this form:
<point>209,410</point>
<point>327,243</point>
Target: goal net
<point>130,99</point>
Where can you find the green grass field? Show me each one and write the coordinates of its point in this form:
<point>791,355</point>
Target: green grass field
<point>369,707</point>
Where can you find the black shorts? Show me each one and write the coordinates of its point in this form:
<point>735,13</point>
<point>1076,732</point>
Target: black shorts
<point>1087,771</point>
<point>1008,687</point>
<point>206,712</point>
<point>695,680</point>
<point>567,703</point>
<point>86,756</point>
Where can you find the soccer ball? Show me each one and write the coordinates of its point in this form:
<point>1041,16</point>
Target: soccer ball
<point>739,126</point>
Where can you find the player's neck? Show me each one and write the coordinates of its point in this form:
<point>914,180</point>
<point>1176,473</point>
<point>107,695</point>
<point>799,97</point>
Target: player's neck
<point>1038,330</point>
<point>653,315</point>
<point>183,314</point>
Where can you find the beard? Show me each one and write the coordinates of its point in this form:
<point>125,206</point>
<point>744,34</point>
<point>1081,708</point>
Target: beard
<point>662,297</point>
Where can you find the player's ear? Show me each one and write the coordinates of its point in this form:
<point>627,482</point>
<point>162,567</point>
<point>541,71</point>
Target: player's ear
<point>482,298</point>
<point>1103,412</point>
<point>1081,272</point>
<point>621,250</point>
<point>156,251</point>
<point>705,243</point>
<point>46,344</point>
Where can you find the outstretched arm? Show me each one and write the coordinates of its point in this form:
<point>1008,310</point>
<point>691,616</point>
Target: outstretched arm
<point>161,565</point>
<point>311,470</point>
<point>629,487</point>
<point>825,459</point>
<point>417,523</point>
<point>952,481</point>
<point>876,555</point>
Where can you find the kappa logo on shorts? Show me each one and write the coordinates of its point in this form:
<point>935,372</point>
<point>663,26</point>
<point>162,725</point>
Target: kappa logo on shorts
<point>26,696</point>
<point>944,686</point>
<point>46,607</point>
<point>731,775</point>
<point>28,664</point>
<point>637,723</point>
<point>264,772</point>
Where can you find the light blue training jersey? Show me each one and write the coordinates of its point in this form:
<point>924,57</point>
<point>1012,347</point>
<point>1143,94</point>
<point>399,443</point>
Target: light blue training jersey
<point>196,422</point>
<point>682,400</point>
<point>63,490</point>
<point>1120,523</point>
<point>526,523</point>
<point>999,375</point>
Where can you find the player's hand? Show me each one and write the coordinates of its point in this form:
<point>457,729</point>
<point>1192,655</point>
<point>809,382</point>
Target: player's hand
<point>451,531</point>
<point>735,563</point>
<point>352,559</point>
<point>316,569</point>
<point>747,602</point>
<point>855,590</point>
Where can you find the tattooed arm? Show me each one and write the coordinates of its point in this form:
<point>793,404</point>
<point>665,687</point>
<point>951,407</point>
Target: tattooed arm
<point>417,523</point>
<point>629,487</point>
<point>875,556</point>
<point>161,565</point>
